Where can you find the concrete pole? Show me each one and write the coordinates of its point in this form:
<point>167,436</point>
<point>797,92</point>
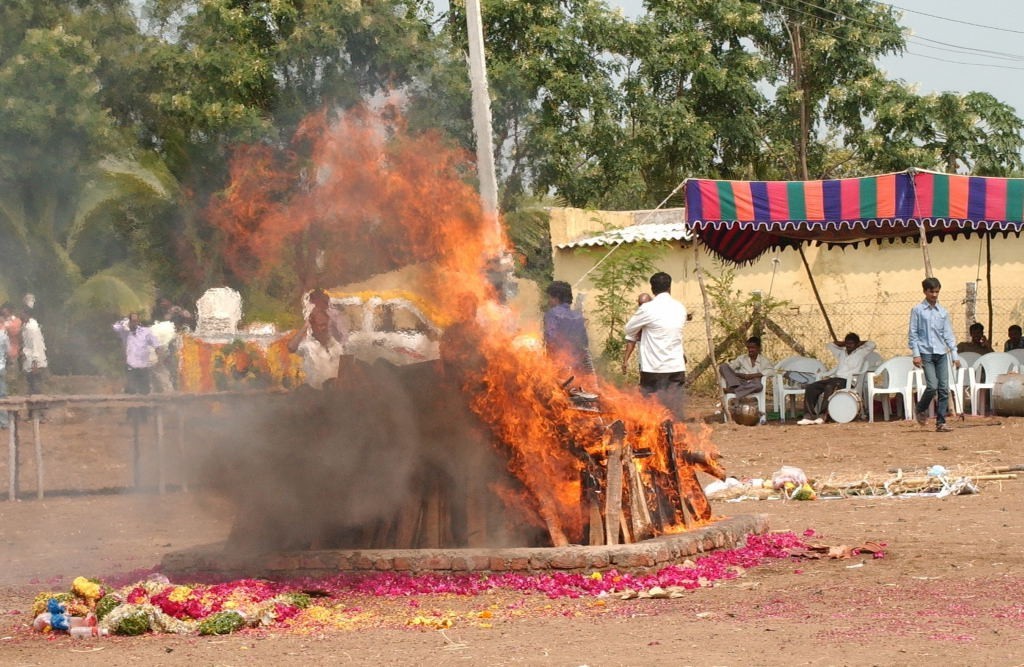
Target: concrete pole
<point>482,115</point>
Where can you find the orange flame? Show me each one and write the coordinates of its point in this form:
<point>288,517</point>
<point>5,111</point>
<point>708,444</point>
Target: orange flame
<point>372,197</point>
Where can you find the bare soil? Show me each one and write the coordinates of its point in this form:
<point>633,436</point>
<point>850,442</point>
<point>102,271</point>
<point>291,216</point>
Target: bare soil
<point>950,588</point>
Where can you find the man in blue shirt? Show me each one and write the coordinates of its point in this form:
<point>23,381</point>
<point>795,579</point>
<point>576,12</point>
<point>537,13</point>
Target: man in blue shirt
<point>565,333</point>
<point>930,338</point>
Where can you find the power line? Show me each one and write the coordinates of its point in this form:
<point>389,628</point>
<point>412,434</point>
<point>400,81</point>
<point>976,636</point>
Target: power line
<point>967,50</point>
<point>959,50</point>
<point>945,18</point>
<point>961,62</point>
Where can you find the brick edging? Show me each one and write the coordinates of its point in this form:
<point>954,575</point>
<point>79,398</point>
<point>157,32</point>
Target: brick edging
<point>658,552</point>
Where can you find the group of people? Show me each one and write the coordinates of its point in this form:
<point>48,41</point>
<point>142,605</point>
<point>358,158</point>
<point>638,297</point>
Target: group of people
<point>933,349</point>
<point>21,340</point>
<point>655,330</point>
<point>150,350</point>
<point>744,375</point>
<point>980,344</point>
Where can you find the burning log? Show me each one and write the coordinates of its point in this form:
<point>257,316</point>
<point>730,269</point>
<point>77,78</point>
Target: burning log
<point>693,494</point>
<point>674,466</point>
<point>692,500</point>
<point>596,532</point>
<point>613,499</point>
<point>708,464</point>
<point>590,487</point>
<point>639,516</point>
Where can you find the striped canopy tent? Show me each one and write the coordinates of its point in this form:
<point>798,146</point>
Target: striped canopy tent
<point>741,220</point>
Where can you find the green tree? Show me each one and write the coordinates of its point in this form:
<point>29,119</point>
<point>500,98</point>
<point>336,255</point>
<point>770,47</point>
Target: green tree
<point>819,52</point>
<point>529,231</point>
<point>59,176</point>
<point>957,133</point>
<point>693,105</point>
<point>552,69</point>
<point>76,191</point>
<point>250,71</point>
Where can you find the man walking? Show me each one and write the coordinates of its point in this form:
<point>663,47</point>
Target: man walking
<point>139,345</point>
<point>657,331</point>
<point>929,338</point>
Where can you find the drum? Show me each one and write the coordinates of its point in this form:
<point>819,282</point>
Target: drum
<point>844,406</point>
<point>1008,395</point>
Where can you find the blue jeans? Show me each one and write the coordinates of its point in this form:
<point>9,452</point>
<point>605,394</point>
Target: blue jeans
<point>936,380</point>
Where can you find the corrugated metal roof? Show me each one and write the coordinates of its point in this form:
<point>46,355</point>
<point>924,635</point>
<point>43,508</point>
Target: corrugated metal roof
<point>654,228</point>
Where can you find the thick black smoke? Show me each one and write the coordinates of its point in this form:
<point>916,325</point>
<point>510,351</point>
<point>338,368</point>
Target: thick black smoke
<point>387,457</point>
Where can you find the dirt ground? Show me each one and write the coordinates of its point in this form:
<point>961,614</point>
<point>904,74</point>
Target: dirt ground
<point>949,590</point>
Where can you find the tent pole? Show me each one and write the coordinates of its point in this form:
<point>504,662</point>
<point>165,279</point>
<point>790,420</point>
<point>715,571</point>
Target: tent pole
<point>988,281</point>
<point>707,329</point>
<point>817,296</point>
<point>924,250</point>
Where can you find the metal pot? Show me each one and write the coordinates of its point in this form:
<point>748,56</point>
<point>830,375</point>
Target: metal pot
<point>746,414</point>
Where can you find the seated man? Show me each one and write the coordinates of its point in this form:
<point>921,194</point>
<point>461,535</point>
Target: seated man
<point>850,356</point>
<point>1015,342</point>
<point>978,343</point>
<point>743,374</point>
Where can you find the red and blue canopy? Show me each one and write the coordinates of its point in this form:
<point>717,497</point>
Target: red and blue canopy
<point>740,220</point>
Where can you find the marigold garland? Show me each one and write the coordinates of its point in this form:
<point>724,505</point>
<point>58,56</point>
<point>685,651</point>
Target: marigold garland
<point>207,367</point>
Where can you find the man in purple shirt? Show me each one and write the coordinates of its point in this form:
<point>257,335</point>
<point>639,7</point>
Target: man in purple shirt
<point>139,345</point>
<point>565,333</point>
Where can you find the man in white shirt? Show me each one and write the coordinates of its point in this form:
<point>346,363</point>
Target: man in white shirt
<point>33,352</point>
<point>850,357</point>
<point>320,351</point>
<point>743,375</point>
<point>657,330</point>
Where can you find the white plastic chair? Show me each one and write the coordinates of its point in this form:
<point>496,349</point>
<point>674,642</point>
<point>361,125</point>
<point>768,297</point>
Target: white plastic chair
<point>984,372</point>
<point>958,383</point>
<point>967,359</point>
<point>899,378</point>
<point>871,363</point>
<point>1019,356</point>
<point>783,390</point>
<point>775,382</point>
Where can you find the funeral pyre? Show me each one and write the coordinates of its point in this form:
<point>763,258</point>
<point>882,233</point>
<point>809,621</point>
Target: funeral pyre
<point>484,446</point>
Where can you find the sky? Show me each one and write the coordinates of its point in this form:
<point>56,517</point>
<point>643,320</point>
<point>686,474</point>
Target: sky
<point>995,57</point>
